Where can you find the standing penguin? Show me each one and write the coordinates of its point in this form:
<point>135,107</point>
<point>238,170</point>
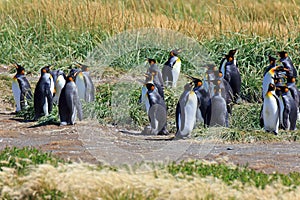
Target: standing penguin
<point>157,112</point>
<point>289,108</point>
<point>203,99</point>
<point>271,110</point>
<point>154,71</point>
<point>59,79</point>
<point>272,64</point>
<point>217,114</point>
<point>43,94</point>
<point>69,104</point>
<point>171,69</point>
<point>21,88</point>
<point>224,60</point>
<point>89,88</point>
<point>186,111</point>
<point>288,64</point>
<point>269,78</point>
<point>231,74</point>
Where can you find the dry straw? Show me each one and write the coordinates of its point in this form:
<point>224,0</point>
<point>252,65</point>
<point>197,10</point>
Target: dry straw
<point>197,19</point>
<point>84,181</point>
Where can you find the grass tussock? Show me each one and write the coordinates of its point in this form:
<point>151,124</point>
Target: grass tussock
<point>30,174</point>
<point>83,181</point>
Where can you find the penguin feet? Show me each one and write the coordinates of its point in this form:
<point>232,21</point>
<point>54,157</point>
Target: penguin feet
<point>163,132</point>
<point>63,123</point>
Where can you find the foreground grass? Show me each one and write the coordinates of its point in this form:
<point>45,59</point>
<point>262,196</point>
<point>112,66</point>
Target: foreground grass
<point>47,177</point>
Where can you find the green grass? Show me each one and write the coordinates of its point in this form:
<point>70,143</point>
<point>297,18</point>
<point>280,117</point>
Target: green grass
<point>230,174</point>
<point>21,158</point>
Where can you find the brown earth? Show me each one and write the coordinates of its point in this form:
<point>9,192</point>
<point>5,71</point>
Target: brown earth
<point>89,141</point>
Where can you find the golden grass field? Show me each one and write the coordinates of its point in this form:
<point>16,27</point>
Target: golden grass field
<point>200,19</point>
<point>84,181</point>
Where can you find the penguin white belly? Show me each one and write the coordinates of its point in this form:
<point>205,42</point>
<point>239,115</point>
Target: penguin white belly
<point>52,85</point>
<point>271,114</point>
<point>190,110</point>
<point>223,67</point>
<point>144,98</point>
<point>80,86</point>
<point>45,107</point>
<point>176,72</point>
<point>266,81</point>
<point>73,117</point>
<point>60,83</point>
<point>17,94</point>
<point>281,105</point>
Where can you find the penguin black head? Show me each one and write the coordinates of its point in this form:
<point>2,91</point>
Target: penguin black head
<point>290,79</point>
<point>150,86</point>
<point>271,87</point>
<point>45,69</point>
<point>197,82</point>
<point>175,52</point>
<point>272,60</point>
<point>151,61</point>
<point>74,72</point>
<point>282,54</point>
<point>20,69</point>
<point>232,52</point>
<point>71,77</point>
<point>83,67</point>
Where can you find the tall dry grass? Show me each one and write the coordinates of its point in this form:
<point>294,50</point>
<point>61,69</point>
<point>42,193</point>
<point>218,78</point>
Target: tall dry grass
<point>200,19</point>
<point>83,181</point>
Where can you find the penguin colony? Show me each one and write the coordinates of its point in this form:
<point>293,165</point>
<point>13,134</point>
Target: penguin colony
<point>54,87</point>
<point>209,101</point>
<point>280,109</point>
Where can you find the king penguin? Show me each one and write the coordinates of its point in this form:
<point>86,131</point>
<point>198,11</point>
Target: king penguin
<point>288,64</point>
<point>59,78</point>
<point>217,114</point>
<point>21,88</point>
<point>186,111</point>
<point>231,74</point>
<point>289,109</point>
<point>154,71</point>
<point>89,88</point>
<point>203,98</point>
<point>69,104</point>
<point>171,69</point>
<point>157,112</point>
<point>271,110</point>
<point>43,94</point>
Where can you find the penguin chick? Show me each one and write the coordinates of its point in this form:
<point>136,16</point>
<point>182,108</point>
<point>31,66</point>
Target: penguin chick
<point>21,88</point>
<point>157,112</point>
<point>217,111</point>
<point>69,104</point>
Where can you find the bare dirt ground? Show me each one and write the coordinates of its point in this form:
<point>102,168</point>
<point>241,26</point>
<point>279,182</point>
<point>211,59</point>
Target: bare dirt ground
<point>89,141</point>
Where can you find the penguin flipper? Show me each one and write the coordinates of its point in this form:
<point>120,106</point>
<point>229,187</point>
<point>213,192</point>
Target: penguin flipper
<point>49,97</point>
<point>279,109</point>
<point>178,122</point>
<point>78,107</point>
